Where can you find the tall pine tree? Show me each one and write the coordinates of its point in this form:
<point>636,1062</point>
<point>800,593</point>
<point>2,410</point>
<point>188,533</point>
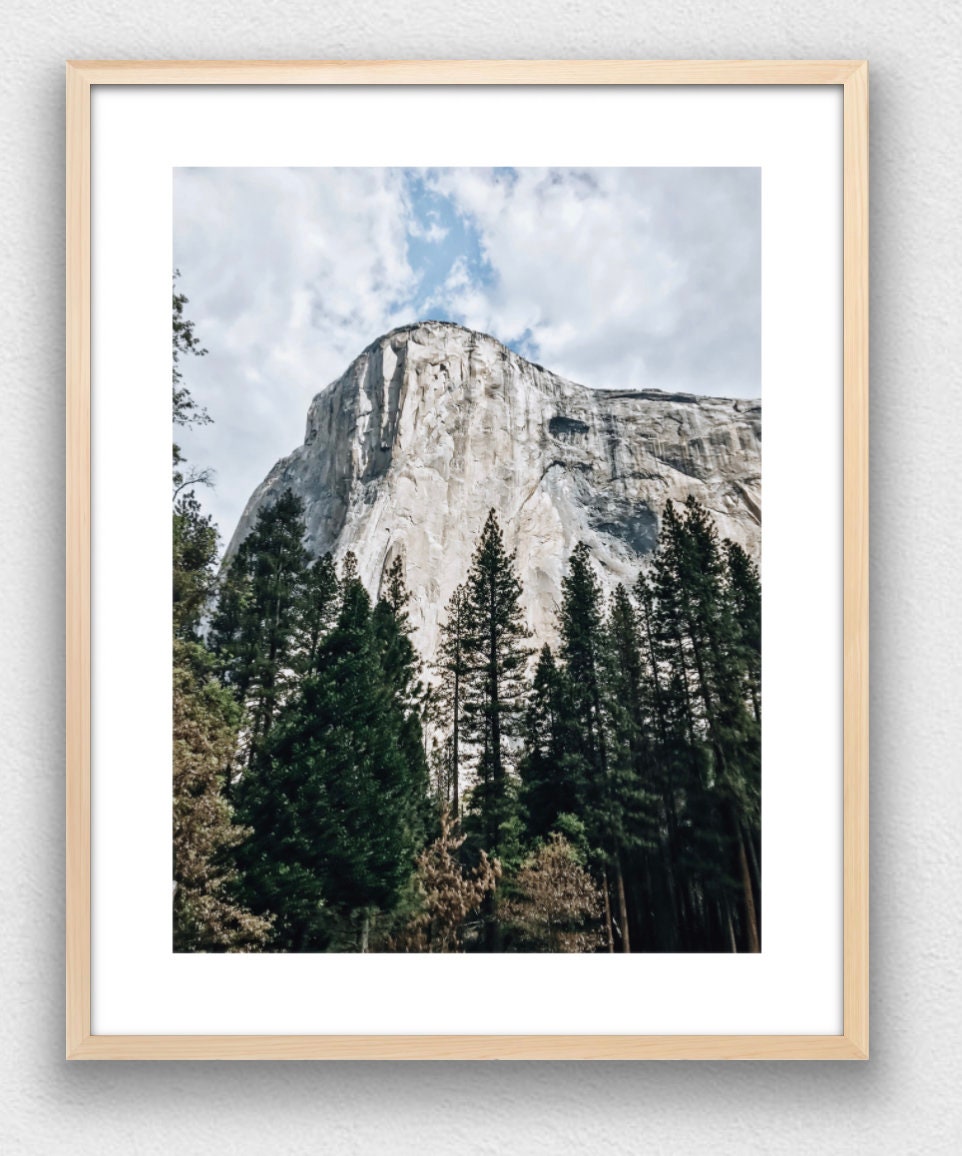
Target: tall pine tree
<point>551,780</point>
<point>317,614</point>
<point>495,690</point>
<point>631,766</point>
<point>582,653</point>
<point>257,627</point>
<point>702,645</point>
<point>448,704</point>
<point>337,800</point>
<point>494,699</point>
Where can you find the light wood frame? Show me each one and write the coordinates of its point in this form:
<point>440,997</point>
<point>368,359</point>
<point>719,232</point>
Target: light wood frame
<point>852,75</point>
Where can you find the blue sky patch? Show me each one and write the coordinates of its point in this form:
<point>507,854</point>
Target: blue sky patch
<point>441,238</point>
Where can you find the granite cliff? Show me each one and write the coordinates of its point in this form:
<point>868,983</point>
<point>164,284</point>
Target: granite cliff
<point>433,425</point>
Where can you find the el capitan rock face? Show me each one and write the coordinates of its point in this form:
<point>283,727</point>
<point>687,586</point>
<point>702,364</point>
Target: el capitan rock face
<point>433,425</point>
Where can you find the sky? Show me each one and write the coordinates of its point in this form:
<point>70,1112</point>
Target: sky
<point>617,278</point>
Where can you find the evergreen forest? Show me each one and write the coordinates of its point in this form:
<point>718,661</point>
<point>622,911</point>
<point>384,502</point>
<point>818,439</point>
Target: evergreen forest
<point>332,792</point>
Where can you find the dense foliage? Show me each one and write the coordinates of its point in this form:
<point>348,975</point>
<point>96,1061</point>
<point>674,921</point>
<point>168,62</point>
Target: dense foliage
<point>330,795</point>
<point>632,753</point>
<point>206,718</point>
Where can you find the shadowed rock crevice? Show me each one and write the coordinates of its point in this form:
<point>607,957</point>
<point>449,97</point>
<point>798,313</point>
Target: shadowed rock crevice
<point>566,427</point>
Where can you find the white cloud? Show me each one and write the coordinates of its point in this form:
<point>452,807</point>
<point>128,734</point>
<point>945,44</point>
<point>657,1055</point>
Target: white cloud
<point>433,232</point>
<point>619,277</point>
<point>615,277</point>
<point>290,273</point>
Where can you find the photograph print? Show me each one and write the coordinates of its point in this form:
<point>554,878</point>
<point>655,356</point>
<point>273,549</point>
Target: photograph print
<point>466,560</point>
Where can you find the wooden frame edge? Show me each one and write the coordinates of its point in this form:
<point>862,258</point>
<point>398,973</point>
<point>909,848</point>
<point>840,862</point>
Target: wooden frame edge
<point>470,1047</point>
<point>78,560</point>
<point>482,72</point>
<point>855,596</point>
<point>853,1042</point>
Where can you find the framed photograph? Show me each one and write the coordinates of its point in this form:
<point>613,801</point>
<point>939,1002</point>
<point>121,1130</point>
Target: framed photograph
<point>420,611</point>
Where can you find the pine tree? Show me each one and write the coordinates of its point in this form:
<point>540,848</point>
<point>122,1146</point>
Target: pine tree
<point>393,628</point>
<point>257,627</point>
<point>626,675</point>
<point>495,687</point>
<point>401,673</point>
<point>195,556</point>
<point>448,703</point>
<point>669,771</point>
<point>632,774</point>
<point>318,612</point>
<point>745,592</point>
<point>336,802</point>
<point>550,781</point>
<point>493,706</point>
<point>582,652</point>
<point>440,761</point>
<point>701,640</point>
<point>395,591</point>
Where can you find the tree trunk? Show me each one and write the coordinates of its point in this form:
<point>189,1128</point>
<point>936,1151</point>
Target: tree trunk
<point>669,851</point>
<point>750,914</point>
<point>756,876</point>
<point>749,899</point>
<point>454,747</point>
<point>622,907</point>
<point>731,930</point>
<point>608,926</point>
<point>751,918</point>
<point>669,936</point>
<point>492,928</point>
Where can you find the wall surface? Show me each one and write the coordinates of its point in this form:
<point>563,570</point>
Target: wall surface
<point>906,1098</point>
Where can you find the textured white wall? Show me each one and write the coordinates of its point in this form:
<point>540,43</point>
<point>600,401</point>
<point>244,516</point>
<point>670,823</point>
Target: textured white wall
<point>906,1099</point>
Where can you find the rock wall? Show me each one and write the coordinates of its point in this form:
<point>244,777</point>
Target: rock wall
<point>433,425</point>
